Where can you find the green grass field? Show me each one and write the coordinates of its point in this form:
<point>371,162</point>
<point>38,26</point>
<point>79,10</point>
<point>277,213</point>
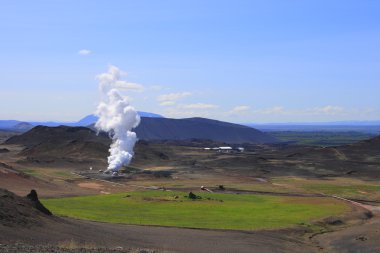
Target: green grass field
<point>214,211</point>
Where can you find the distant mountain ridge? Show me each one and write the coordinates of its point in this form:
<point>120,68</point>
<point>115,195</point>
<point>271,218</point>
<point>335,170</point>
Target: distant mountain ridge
<point>165,129</point>
<point>200,128</point>
<point>372,128</point>
<point>22,126</point>
<point>154,127</point>
<point>327,123</point>
<point>91,119</point>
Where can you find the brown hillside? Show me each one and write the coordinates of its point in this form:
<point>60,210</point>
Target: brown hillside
<point>18,211</point>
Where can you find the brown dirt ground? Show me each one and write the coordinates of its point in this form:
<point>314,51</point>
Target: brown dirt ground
<point>356,232</point>
<point>91,185</point>
<point>162,239</point>
<point>362,237</point>
<point>193,167</point>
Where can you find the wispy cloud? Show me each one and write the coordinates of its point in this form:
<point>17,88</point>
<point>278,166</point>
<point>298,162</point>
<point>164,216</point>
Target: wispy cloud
<point>84,52</point>
<point>175,112</point>
<point>328,109</point>
<point>200,106</point>
<point>239,109</point>
<point>156,87</point>
<point>172,98</point>
<point>124,85</point>
<point>321,110</point>
<point>167,103</point>
<point>272,110</point>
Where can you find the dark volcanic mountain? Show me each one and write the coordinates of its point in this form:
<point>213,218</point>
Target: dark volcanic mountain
<point>358,159</point>
<point>367,149</point>
<point>199,128</point>
<point>49,144</point>
<point>23,126</point>
<point>56,136</point>
<point>150,129</point>
<point>80,145</point>
<point>159,128</point>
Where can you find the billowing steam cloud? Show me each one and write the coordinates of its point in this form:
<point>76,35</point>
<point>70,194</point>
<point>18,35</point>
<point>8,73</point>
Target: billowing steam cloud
<point>117,118</point>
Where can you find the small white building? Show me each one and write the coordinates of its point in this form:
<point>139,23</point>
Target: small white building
<point>225,149</point>
<point>240,149</point>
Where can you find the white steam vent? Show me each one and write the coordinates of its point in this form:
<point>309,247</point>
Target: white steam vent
<point>116,117</point>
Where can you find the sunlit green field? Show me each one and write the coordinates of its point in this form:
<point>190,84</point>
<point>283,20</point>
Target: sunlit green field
<point>214,211</point>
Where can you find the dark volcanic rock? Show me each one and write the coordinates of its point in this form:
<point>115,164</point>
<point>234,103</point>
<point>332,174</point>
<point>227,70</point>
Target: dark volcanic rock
<point>18,211</point>
<point>193,196</point>
<point>4,150</point>
<point>4,165</point>
<point>36,203</point>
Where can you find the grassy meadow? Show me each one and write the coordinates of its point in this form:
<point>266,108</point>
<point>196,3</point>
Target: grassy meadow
<point>213,211</point>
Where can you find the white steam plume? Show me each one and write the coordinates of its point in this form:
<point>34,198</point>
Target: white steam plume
<point>116,117</point>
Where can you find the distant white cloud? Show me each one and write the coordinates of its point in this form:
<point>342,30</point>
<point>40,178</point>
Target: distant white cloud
<point>84,52</point>
<point>167,103</point>
<point>155,87</point>
<point>322,110</point>
<point>175,112</point>
<point>188,110</point>
<point>172,98</point>
<point>272,110</point>
<point>328,109</point>
<point>200,106</point>
<point>240,109</point>
<point>245,113</point>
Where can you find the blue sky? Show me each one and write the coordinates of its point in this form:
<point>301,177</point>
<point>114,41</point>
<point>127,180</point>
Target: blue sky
<point>241,61</point>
